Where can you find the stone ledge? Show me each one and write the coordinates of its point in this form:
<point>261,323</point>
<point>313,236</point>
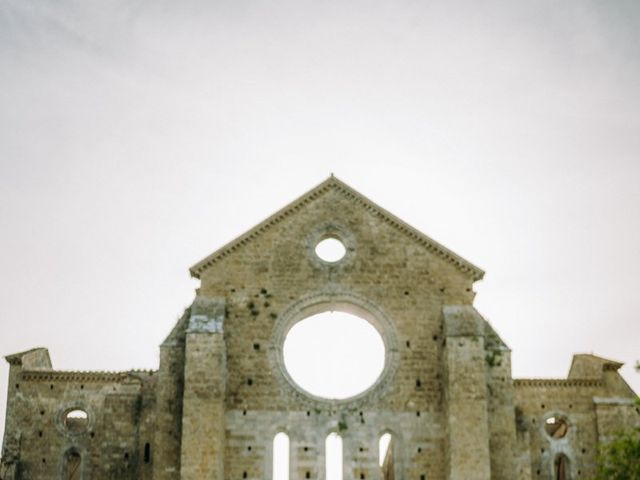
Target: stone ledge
<point>556,382</point>
<point>79,376</point>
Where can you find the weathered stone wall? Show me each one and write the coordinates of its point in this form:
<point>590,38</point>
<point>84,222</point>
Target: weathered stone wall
<point>466,395</point>
<point>568,399</point>
<point>222,392</point>
<point>502,425</point>
<point>203,426</point>
<point>594,401</point>
<point>120,411</point>
<point>277,274</point>
<point>169,396</point>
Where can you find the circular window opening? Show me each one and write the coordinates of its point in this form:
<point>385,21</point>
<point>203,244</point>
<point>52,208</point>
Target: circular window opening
<point>331,250</point>
<point>556,427</point>
<point>334,355</point>
<point>76,420</point>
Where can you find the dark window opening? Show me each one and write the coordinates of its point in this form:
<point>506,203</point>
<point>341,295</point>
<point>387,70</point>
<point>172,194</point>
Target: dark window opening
<point>556,427</point>
<point>76,420</point>
<point>561,467</point>
<point>147,452</point>
<point>72,465</point>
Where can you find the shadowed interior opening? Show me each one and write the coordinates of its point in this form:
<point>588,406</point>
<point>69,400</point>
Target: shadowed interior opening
<point>556,427</point>
<point>76,420</point>
<point>72,466</point>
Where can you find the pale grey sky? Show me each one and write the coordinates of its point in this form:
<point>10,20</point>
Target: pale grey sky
<point>138,136</point>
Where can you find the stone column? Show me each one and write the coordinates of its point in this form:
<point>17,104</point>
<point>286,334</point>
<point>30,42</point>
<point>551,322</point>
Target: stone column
<point>502,425</point>
<point>35,359</point>
<point>166,451</point>
<point>466,395</point>
<point>203,426</point>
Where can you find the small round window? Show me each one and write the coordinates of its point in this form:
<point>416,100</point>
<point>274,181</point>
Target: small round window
<point>76,420</point>
<point>556,427</point>
<point>331,250</point>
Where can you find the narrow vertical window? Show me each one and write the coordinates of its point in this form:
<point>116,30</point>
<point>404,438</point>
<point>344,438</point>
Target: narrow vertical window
<point>281,456</point>
<point>385,456</point>
<point>147,452</point>
<point>72,465</point>
<point>562,467</point>
<point>333,456</point>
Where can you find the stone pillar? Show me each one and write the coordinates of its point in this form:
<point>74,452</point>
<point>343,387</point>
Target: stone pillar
<point>10,456</point>
<point>502,425</point>
<point>166,448</point>
<point>466,395</point>
<point>35,359</point>
<point>203,426</point>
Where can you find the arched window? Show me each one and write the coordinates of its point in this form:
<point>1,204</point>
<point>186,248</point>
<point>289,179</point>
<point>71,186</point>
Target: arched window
<point>333,457</point>
<point>385,456</point>
<point>72,465</point>
<point>561,467</point>
<point>281,456</point>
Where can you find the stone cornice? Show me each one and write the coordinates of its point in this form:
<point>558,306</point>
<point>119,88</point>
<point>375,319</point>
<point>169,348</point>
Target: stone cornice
<point>332,183</point>
<point>556,382</point>
<point>80,376</point>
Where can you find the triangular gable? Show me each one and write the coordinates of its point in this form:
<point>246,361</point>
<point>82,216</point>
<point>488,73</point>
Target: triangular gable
<point>333,183</point>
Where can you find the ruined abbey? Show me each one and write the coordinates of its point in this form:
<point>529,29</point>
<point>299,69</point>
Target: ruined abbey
<point>222,392</point>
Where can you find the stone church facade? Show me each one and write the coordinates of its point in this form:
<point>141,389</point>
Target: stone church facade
<point>222,393</point>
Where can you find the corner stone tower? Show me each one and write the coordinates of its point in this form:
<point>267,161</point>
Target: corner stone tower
<point>221,393</point>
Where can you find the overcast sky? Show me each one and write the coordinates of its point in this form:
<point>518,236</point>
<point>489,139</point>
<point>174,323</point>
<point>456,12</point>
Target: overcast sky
<point>137,136</point>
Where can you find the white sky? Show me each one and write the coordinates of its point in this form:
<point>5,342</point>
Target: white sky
<point>334,354</point>
<point>138,136</point>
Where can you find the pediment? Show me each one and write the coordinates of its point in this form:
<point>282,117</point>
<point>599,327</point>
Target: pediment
<point>333,184</point>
